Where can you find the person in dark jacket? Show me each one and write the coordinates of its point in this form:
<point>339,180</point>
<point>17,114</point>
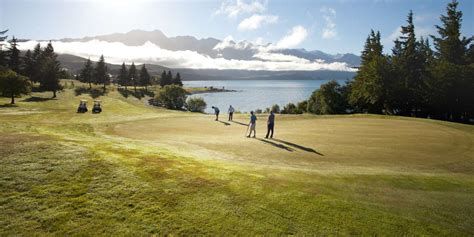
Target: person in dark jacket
<point>270,125</point>
<point>216,112</point>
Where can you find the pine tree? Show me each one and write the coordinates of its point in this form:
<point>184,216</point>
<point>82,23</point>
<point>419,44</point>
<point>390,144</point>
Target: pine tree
<point>100,73</point>
<point>28,64</point>
<point>163,79</point>
<point>455,101</point>
<point>132,76</point>
<point>37,57</point>
<point>169,78</point>
<point>87,73</point>
<point>177,80</point>
<point>144,77</point>
<point>369,90</point>
<point>123,76</point>
<point>49,70</point>
<point>3,56</point>
<point>13,53</point>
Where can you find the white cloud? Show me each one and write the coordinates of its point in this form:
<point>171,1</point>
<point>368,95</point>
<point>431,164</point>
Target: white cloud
<point>149,53</point>
<point>229,42</point>
<point>256,21</point>
<point>297,35</point>
<point>235,8</point>
<point>329,30</point>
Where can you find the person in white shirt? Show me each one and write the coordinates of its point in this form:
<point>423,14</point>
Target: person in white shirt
<point>231,112</point>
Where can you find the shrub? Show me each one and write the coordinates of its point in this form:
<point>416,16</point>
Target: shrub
<point>329,99</point>
<point>196,104</point>
<point>302,106</point>
<point>275,108</point>
<point>258,111</point>
<point>172,97</point>
<point>290,108</point>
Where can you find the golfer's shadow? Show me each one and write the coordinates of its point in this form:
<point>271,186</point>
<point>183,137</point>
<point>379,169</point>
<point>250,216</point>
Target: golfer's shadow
<point>281,146</point>
<point>307,149</point>
<point>225,123</point>
<point>243,124</point>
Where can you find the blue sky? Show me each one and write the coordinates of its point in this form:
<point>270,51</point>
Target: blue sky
<point>331,26</point>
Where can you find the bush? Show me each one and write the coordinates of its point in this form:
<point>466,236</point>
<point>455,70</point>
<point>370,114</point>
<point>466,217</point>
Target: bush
<point>171,97</point>
<point>302,106</point>
<point>196,104</point>
<point>329,99</point>
<point>290,108</point>
<point>258,111</point>
<point>275,108</point>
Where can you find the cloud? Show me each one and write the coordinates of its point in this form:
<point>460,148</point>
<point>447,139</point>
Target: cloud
<point>235,8</point>
<point>294,37</point>
<point>229,42</point>
<point>256,21</point>
<point>329,30</point>
<point>149,53</point>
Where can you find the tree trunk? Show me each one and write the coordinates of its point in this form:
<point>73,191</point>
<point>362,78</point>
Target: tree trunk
<point>90,85</point>
<point>146,88</point>
<point>135,88</point>
<point>104,87</point>
<point>54,93</point>
<point>13,100</point>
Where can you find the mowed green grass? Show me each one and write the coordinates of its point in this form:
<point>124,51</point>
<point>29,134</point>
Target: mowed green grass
<point>140,170</point>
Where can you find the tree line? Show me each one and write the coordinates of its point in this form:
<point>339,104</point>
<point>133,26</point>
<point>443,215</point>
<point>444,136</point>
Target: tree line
<point>414,80</point>
<point>18,72</point>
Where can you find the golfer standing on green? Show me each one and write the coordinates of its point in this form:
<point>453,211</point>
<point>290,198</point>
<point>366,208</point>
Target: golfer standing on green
<point>252,124</point>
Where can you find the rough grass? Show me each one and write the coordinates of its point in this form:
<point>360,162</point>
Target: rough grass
<point>139,170</point>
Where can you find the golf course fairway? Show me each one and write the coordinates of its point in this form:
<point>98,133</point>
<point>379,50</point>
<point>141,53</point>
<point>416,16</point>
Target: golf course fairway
<point>136,169</point>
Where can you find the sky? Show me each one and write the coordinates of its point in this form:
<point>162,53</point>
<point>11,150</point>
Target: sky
<point>337,26</point>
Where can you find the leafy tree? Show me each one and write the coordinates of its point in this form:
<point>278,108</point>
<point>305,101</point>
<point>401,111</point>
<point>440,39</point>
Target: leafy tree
<point>169,78</point>
<point>172,97</point>
<point>145,79</point>
<point>196,104</point>
<point>302,106</point>
<point>13,53</point>
<point>328,99</point>
<point>275,108</point>
<point>177,80</point>
<point>3,56</point>
<point>13,85</point>
<point>132,76</point>
<point>100,73</point>
<point>87,73</point>
<point>49,70</point>
<point>290,108</point>
<point>123,76</point>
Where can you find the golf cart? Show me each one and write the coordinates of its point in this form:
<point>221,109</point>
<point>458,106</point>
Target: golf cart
<point>82,106</point>
<point>96,108</point>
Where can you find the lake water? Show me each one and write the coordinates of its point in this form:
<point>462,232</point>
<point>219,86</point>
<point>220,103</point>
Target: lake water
<point>256,94</point>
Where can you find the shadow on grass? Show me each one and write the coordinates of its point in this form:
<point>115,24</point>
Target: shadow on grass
<point>139,94</point>
<point>307,149</point>
<point>225,123</point>
<point>8,105</point>
<point>36,99</point>
<point>93,92</point>
<point>243,124</point>
<point>278,145</point>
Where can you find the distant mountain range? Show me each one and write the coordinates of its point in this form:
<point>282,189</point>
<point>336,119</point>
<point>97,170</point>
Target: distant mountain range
<point>244,50</point>
<point>74,64</point>
<point>212,48</point>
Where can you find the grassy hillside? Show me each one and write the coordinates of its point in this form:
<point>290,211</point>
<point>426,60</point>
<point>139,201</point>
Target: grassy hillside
<point>136,169</point>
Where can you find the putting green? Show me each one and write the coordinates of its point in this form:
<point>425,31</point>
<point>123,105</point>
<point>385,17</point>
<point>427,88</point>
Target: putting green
<point>140,170</point>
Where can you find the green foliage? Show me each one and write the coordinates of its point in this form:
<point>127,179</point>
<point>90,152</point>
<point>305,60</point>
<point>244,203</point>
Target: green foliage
<point>100,72</point>
<point>196,104</point>
<point>145,79</point>
<point>172,97</point>
<point>37,58</point>
<point>290,108</point>
<point>177,80</point>
<point>328,99</point>
<point>49,70</point>
<point>302,106</point>
<point>132,75</point>
<point>87,73</point>
<point>13,85</point>
<point>28,64</point>
<point>275,108</point>
<point>123,78</point>
<point>13,53</point>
